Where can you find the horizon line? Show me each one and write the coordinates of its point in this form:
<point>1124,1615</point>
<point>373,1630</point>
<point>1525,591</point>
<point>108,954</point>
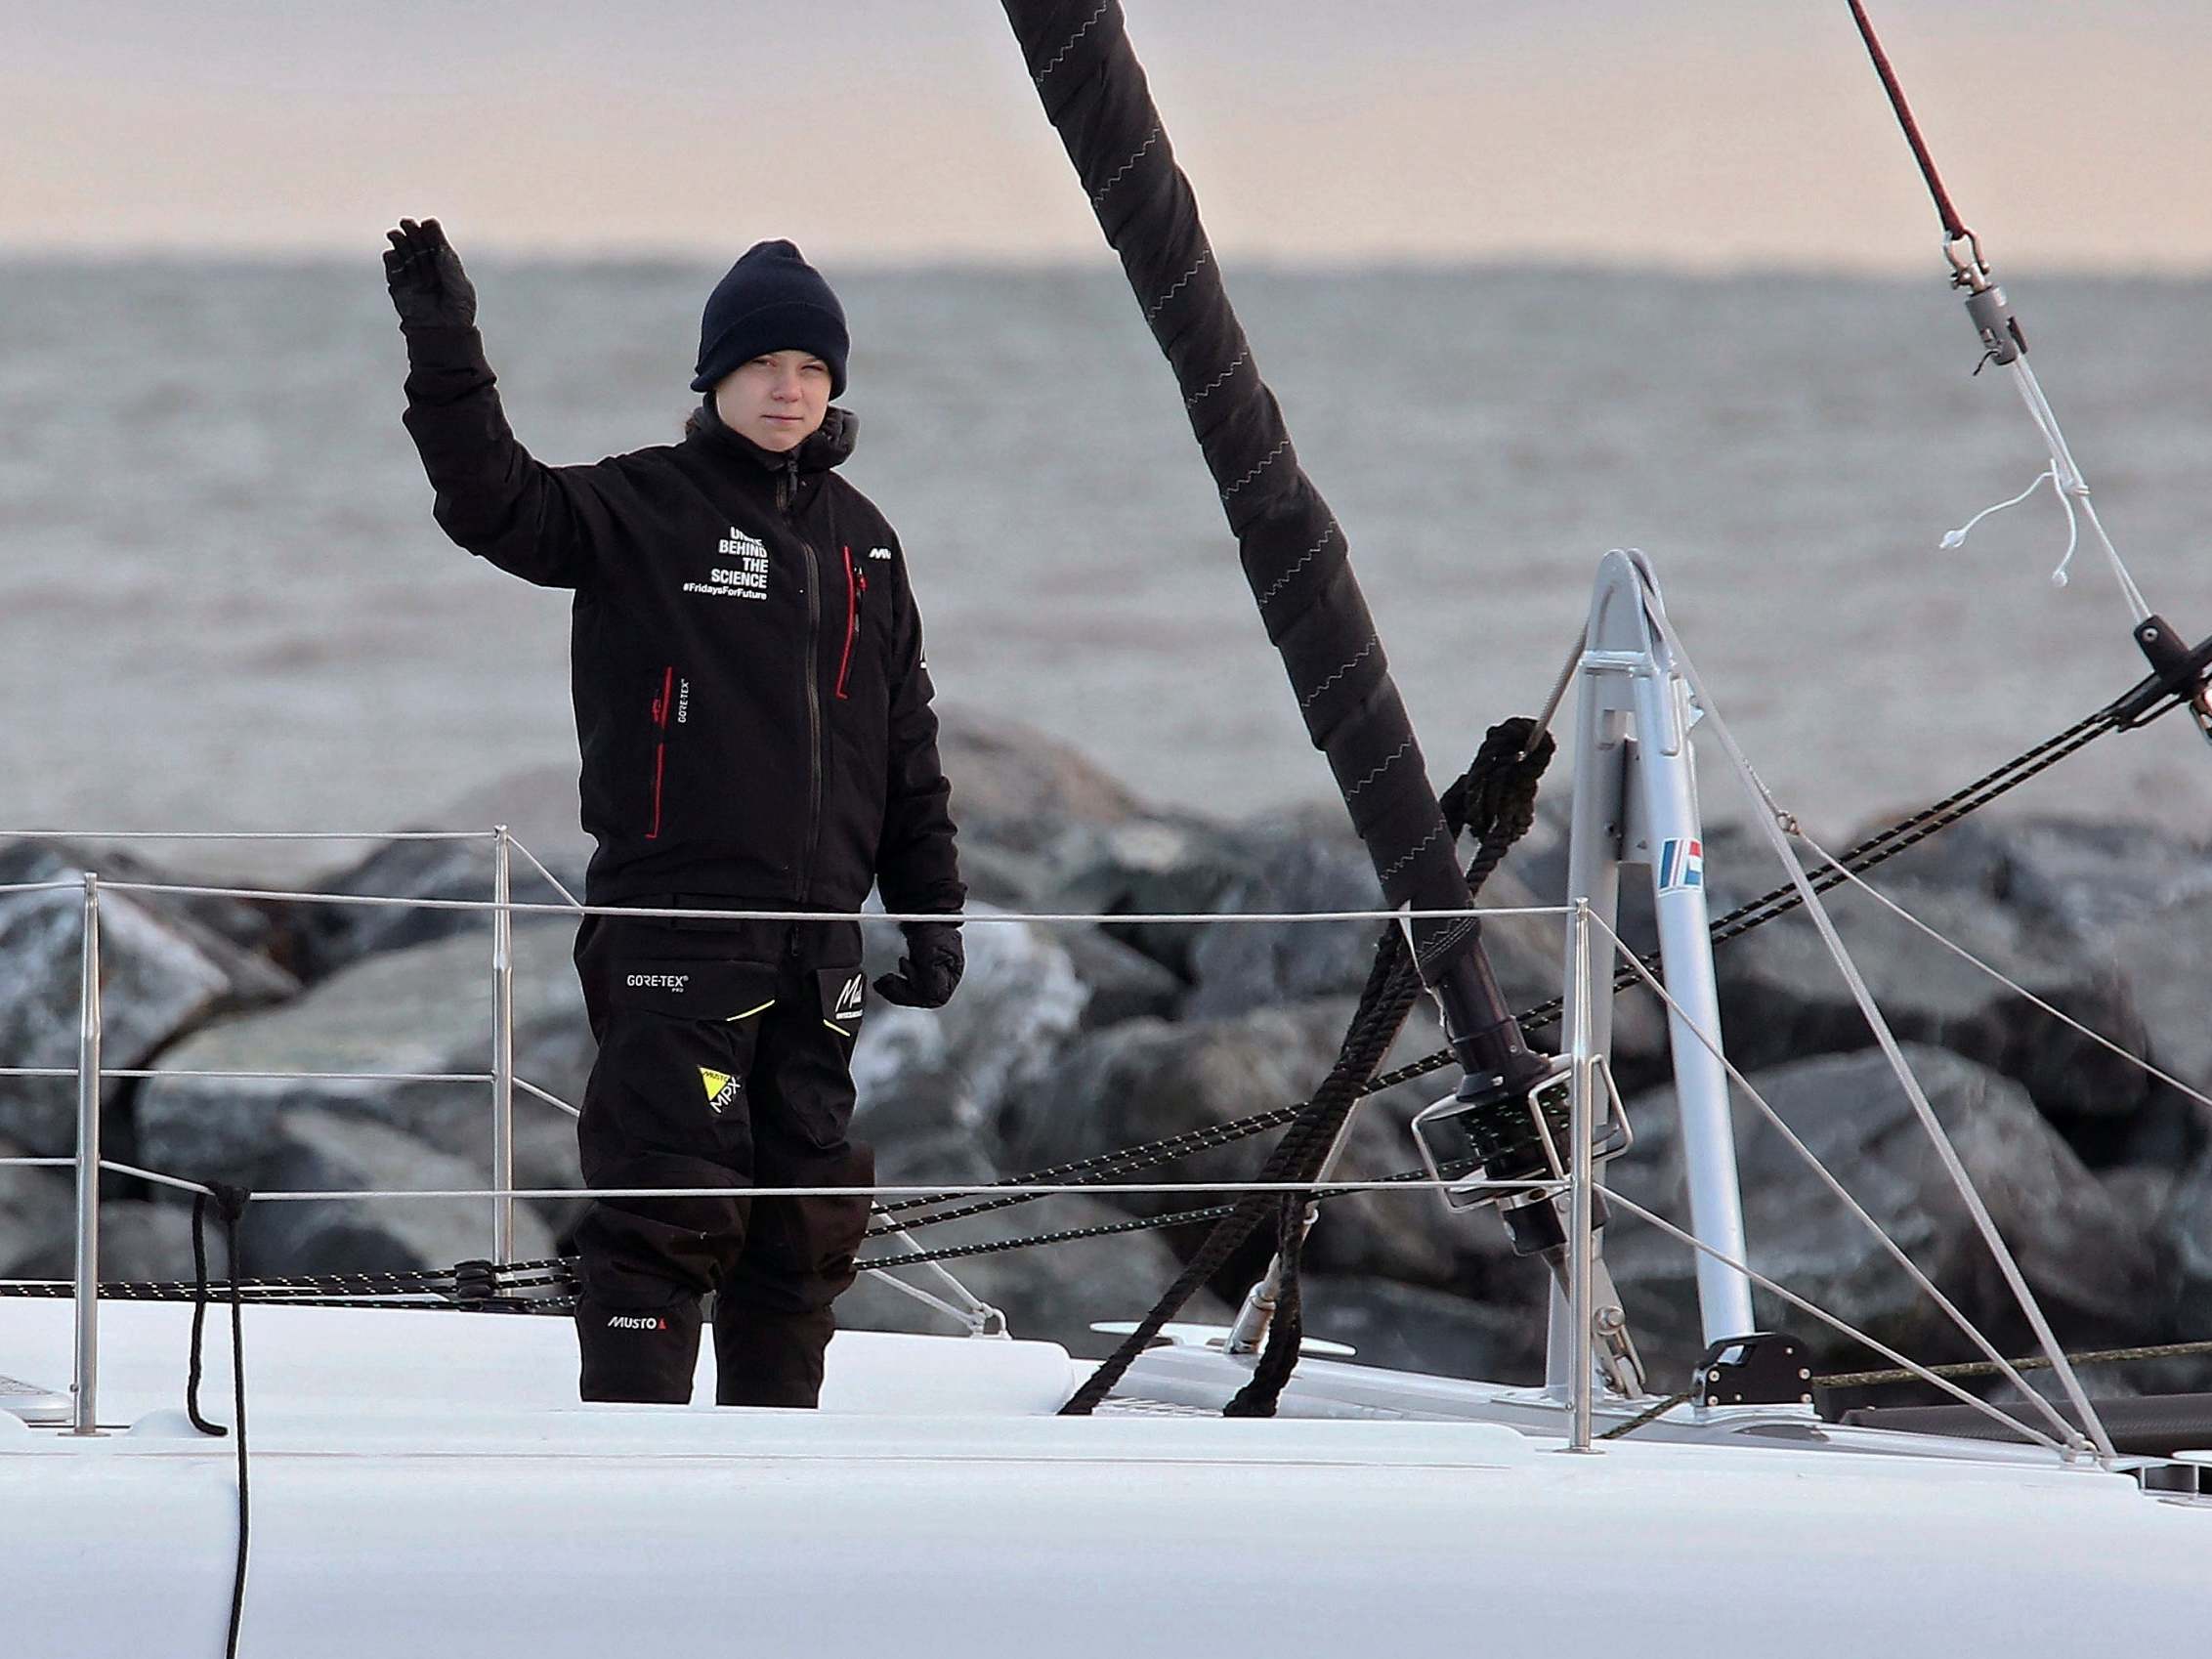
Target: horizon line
<point>497,252</point>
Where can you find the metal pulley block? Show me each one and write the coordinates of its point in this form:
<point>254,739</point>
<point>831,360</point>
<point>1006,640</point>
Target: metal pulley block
<point>1485,1136</point>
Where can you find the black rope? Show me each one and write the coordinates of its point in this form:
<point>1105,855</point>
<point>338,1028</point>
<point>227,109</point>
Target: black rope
<point>2028,1362</point>
<point>1295,557</point>
<point>199,1317</point>
<point>1905,1373</point>
<point>1954,227</point>
<point>1497,794</point>
<point>231,1203</point>
<point>992,1247</point>
<point>1494,786</point>
<point>1769,907</point>
<point>1392,989</point>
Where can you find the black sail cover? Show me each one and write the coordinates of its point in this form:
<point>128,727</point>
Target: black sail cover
<point>1293,552</point>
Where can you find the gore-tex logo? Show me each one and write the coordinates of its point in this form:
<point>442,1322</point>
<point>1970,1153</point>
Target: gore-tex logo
<point>742,572</point>
<point>657,980</point>
<point>635,1322</point>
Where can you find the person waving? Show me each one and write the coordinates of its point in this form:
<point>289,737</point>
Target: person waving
<point>754,710</point>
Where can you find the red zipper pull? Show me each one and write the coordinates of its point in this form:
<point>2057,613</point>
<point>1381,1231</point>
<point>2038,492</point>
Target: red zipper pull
<point>855,585</point>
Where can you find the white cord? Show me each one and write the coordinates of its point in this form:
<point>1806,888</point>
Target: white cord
<point>2069,485</point>
<point>2049,474</point>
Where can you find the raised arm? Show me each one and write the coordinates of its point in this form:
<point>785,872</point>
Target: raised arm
<point>543,523</point>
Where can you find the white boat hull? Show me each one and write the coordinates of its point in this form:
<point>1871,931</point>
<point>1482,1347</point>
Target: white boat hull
<point>425,1482</point>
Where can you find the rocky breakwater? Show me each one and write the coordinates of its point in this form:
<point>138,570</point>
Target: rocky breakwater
<point>1073,1040</point>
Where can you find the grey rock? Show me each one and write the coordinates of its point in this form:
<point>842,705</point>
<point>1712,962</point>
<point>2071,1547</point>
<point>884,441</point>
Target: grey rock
<point>2185,1231</point>
<point>944,1157</point>
<point>2090,1261</point>
<point>1004,876</point>
<point>1149,865</point>
<point>1311,859</point>
<point>2089,876</point>
<point>36,1207</point>
<point>1052,1292</point>
<point>1147,1079</point>
<point>160,976</point>
<point>1014,787</point>
<point>916,1070</point>
<point>423,1010</point>
<point>1121,981</point>
<point>1781,997</point>
<point>2167,958</point>
<point>319,1150</point>
<point>1972,856</point>
<point>218,926</point>
<point>139,1243</point>
<point>334,935</point>
<point>1406,1328</point>
<point>1240,966</point>
<point>537,805</point>
<point>2084,877</point>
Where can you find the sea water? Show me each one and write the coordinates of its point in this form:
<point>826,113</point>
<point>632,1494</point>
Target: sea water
<point>224,605</point>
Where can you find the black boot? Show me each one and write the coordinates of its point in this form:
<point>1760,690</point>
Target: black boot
<point>765,1358</point>
<point>638,1354</point>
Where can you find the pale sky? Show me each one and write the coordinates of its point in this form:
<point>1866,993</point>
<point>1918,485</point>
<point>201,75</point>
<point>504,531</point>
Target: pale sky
<point>1708,133</point>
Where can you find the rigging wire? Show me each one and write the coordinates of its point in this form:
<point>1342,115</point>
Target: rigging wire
<point>1954,228</point>
<point>1775,827</point>
<point>2003,344</point>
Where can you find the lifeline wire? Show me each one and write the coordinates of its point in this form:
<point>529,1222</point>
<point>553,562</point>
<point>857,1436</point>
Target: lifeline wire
<point>1127,917</point>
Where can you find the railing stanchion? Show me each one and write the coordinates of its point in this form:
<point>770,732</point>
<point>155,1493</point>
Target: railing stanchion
<point>85,1418</point>
<point>502,1046</point>
<point>1579,1251</point>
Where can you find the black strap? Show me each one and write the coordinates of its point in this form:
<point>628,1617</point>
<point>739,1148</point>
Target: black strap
<point>230,1202</point>
<point>199,1316</point>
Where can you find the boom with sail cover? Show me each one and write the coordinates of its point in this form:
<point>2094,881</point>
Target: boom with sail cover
<point>1293,552</point>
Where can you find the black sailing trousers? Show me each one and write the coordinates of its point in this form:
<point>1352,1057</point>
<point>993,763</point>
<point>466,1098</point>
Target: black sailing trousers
<point>724,1060</point>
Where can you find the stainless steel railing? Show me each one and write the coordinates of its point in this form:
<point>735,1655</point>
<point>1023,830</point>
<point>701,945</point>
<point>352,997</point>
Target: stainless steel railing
<point>1578,1184</point>
<point>91,1074</point>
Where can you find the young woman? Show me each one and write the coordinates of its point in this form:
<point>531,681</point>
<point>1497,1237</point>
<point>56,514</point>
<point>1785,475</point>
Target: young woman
<point>754,715</point>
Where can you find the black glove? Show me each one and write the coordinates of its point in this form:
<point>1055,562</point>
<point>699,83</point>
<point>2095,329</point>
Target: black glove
<point>931,970</point>
<point>429,288</point>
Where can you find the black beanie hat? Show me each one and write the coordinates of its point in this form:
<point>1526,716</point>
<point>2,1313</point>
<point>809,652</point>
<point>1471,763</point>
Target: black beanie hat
<point>771,301</point>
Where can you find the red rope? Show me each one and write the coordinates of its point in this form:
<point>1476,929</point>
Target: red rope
<point>1953,227</point>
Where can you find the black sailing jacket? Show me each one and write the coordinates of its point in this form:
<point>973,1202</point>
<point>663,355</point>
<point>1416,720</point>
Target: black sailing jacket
<point>751,696</point>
